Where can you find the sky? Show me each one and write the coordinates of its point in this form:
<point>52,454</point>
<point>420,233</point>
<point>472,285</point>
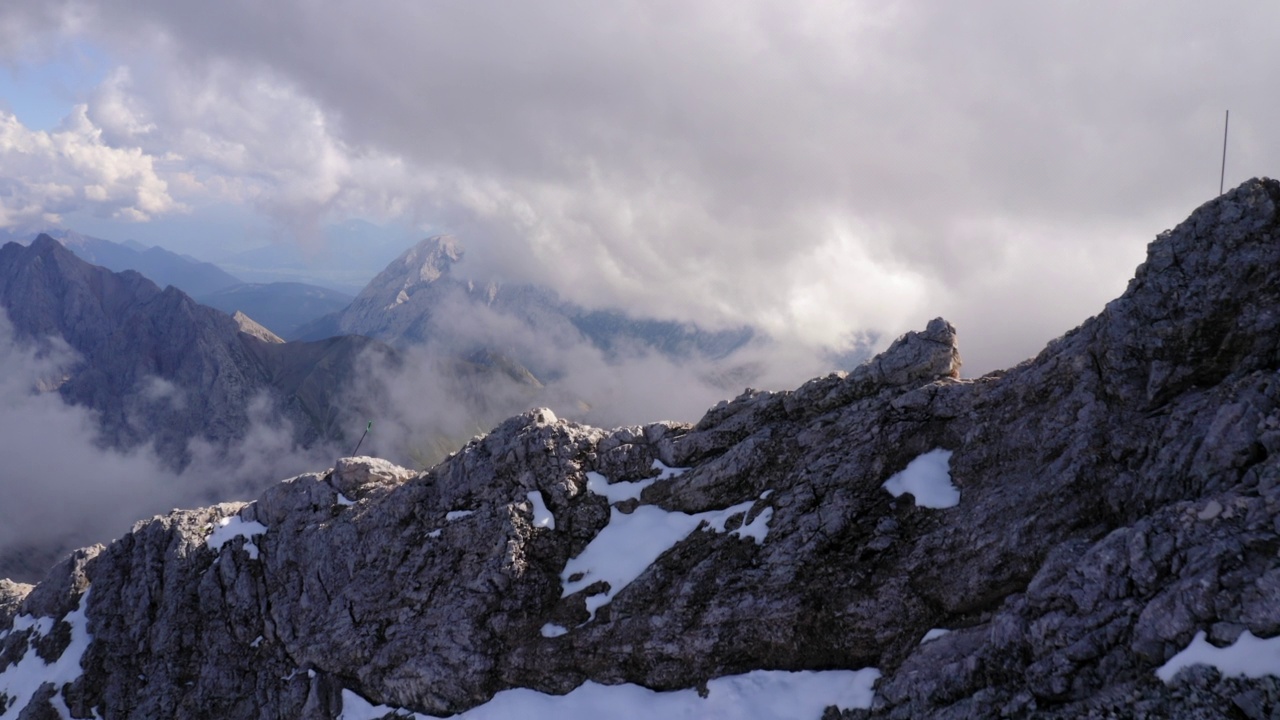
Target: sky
<point>816,169</point>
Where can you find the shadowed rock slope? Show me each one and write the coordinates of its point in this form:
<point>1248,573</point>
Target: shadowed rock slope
<point>157,367</point>
<point>1118,494</point>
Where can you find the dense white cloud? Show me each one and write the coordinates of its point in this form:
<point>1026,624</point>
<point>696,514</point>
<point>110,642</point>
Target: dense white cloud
<point>71,168</point>
<point>62,489</point>
<point>821,168</point>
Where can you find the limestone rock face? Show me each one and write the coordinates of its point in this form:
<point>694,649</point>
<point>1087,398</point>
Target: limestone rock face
<point>11,595</point>
<point>916,356</point>
<point>1118,494</point>
<point>251,327</point>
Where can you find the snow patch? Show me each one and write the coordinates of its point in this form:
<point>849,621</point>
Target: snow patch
<point>551,630</point>
<point>457,514</point>
<point>22,679</point>
<point>665,472</point>
<point>42,626</point>
<point>619,491</point>
<point>758,528</point>
<point>758,695</point>
<point>434,534</point>
<point>344,500</point>
<point>355,707</point>
<point>542,517</point>
<point>928,479</point>
<point>235,526</point>
<point>1249,656</point>
<point>631,542</point>
<point>934,634</point>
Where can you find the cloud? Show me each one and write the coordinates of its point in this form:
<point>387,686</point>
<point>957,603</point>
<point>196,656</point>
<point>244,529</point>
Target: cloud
<point>427,402</point>
<point>62,489</point>
<point>47,174</point>
<point>821,170</point>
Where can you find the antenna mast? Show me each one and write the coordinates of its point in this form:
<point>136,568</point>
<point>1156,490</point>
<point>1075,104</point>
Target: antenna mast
<point>1226,123</point>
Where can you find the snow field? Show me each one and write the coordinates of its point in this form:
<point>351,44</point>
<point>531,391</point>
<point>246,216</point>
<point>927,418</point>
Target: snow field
<point>1249,656</point>
<point>631,542</point>
<point>542,517</point>
<point>21,680</point>
<point>235,526</point>
<point>758,695</point>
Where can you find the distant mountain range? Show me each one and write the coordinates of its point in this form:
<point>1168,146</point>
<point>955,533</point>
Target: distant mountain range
<point>419,298</point>
<point>161,266</point>
<point>283,307</point>
<point>132,337</point>
<point>344,258</point>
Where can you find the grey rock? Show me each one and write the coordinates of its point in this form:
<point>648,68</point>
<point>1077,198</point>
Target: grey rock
<point>916,356</point>
<point>11,595</point>
<point>1118,495</point>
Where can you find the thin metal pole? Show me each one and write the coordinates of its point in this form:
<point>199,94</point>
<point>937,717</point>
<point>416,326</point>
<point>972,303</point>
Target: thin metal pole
<point>367,428</point>
<point>1226,123</point>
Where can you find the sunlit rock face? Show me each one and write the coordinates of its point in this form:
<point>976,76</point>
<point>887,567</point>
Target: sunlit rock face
<point>1075,522</point>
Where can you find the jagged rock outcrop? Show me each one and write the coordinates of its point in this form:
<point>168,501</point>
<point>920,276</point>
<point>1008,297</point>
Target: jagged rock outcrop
<point>11,595</point>
<point>1118,494</point>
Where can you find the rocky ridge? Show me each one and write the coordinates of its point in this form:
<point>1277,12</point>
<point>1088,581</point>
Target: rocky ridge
<point>1119,493</point>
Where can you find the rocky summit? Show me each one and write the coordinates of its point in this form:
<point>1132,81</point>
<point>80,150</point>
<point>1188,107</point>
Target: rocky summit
<point>1093,533</point>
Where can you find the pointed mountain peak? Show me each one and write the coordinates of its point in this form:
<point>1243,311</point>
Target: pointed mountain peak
<point>430,259</point>
<point>49,249</point>
<point>44,241</point>
<point>418,267</point>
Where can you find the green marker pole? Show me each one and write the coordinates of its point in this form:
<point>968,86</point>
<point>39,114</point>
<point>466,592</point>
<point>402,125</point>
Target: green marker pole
<point>367,428</point>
